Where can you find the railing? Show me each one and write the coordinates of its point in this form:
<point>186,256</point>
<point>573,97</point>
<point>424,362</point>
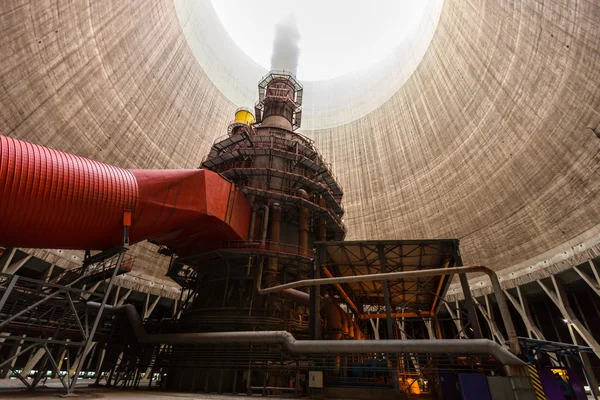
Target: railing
<point>95,270</point>
<point>313,153</point>
<point>271,247</point>
<point>291,192</point>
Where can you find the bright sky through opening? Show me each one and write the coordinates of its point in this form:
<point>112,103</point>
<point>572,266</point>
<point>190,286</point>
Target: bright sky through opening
<point>336,37</point>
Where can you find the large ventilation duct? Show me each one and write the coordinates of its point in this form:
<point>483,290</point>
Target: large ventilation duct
<point>51,199</point>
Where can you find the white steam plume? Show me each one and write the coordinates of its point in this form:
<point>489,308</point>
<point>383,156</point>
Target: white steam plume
<point>285,46</point>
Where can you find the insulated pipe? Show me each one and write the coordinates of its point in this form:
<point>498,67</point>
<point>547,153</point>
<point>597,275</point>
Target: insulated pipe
<point>322,223</point>
<point>252,223</point>
<point>430,346</point>
<point>506,318</point>
<point>52,199</point>
<point>265,224</point>
<point>303,223</point>
<point>274,235</point>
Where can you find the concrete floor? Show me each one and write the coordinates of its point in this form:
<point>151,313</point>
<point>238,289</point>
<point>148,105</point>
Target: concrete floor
<point>13,389</point>
<point>118,394</point>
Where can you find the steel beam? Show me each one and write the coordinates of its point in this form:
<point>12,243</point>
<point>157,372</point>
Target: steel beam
<point>88,341</point>
<point>13,268</point>
<point>6,258</point>
<point>457,322</point>
<point>429,325</point>
<point>488,315</point>
<point>149,309</point>
<point>559,297</point>
<point>469,303</point>
<point>593,283</point>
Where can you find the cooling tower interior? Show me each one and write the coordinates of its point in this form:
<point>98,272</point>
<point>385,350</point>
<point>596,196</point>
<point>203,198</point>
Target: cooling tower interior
<point>177,217</point>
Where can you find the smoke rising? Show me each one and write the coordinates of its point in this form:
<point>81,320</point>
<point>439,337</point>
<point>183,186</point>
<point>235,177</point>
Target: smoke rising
<point>285,46</point>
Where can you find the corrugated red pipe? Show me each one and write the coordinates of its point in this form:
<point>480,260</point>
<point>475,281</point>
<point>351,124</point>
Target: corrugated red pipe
<point>52,199</point>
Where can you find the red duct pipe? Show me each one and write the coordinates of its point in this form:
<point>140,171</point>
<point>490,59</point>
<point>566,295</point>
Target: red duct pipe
<point>51,199</point>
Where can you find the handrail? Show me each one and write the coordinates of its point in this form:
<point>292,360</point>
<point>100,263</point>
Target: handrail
<point>273,247</point>
<point>291,192</point>
<point>308,144</point>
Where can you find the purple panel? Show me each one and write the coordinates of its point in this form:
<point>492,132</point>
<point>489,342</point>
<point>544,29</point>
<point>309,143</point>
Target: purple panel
<point>551,385</point>
<point>577,383</point>
<point>474,387</point>
<point>448,386</point>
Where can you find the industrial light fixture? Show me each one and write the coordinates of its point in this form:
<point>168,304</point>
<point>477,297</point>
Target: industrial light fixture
<point>566,321</point>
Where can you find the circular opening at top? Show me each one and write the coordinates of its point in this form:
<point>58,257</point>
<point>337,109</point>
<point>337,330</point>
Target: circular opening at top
<point>335,37</point>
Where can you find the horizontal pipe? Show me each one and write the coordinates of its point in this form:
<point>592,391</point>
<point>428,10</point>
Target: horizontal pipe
<point>377,277</point>
<point>497,289</point>
<point>430,346</point>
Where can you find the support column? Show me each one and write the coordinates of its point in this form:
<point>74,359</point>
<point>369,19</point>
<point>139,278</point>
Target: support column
<point>78,364</point>
<point>388,316</point>
<point>489,318</point>
<point>593,283</point>
<point>15,349</point>
<point>559,297</point>
<point>32,362</point>
<point>403,336</point>
<point>123,298</point>
<point>13,268</point>
<point>375,327</point>
<point>48,273</point>
<point>98,372</point>
<point>457,321</point>
<point>429,325</point>
<point>6,258</point>
<point>464,284</point>
<point>522,308</point>
<point>148,310</point>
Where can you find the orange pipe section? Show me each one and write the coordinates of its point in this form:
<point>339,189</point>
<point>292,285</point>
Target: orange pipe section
<point>52,199</point>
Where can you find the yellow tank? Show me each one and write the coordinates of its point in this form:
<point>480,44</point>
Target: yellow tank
<point>244,116</point>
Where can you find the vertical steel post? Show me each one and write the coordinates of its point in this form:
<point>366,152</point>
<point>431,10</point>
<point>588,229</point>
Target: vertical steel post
<point>388,316</point>
<point>588,378</point>
<point>9,288</point>
<point>464,284</point>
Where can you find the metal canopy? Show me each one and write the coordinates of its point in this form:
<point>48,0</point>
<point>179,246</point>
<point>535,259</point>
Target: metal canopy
<point>544,346</point>
<point>410,297</point>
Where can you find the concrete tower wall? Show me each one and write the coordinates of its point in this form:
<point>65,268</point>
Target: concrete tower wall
<point>492,140</point>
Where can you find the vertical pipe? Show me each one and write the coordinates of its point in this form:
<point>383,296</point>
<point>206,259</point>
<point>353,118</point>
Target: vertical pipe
<point>265,224</point>
<point>322,223</point>
<point>235,376</point>
<point>315,297</point>
<point>252,223</point>
<point>274,235</point>
<point>303,223</point>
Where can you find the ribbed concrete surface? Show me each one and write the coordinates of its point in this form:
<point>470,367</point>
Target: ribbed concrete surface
<point>493,140</point>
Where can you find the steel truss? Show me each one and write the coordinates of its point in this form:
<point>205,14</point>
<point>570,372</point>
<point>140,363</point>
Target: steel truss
<point>54,316</point>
